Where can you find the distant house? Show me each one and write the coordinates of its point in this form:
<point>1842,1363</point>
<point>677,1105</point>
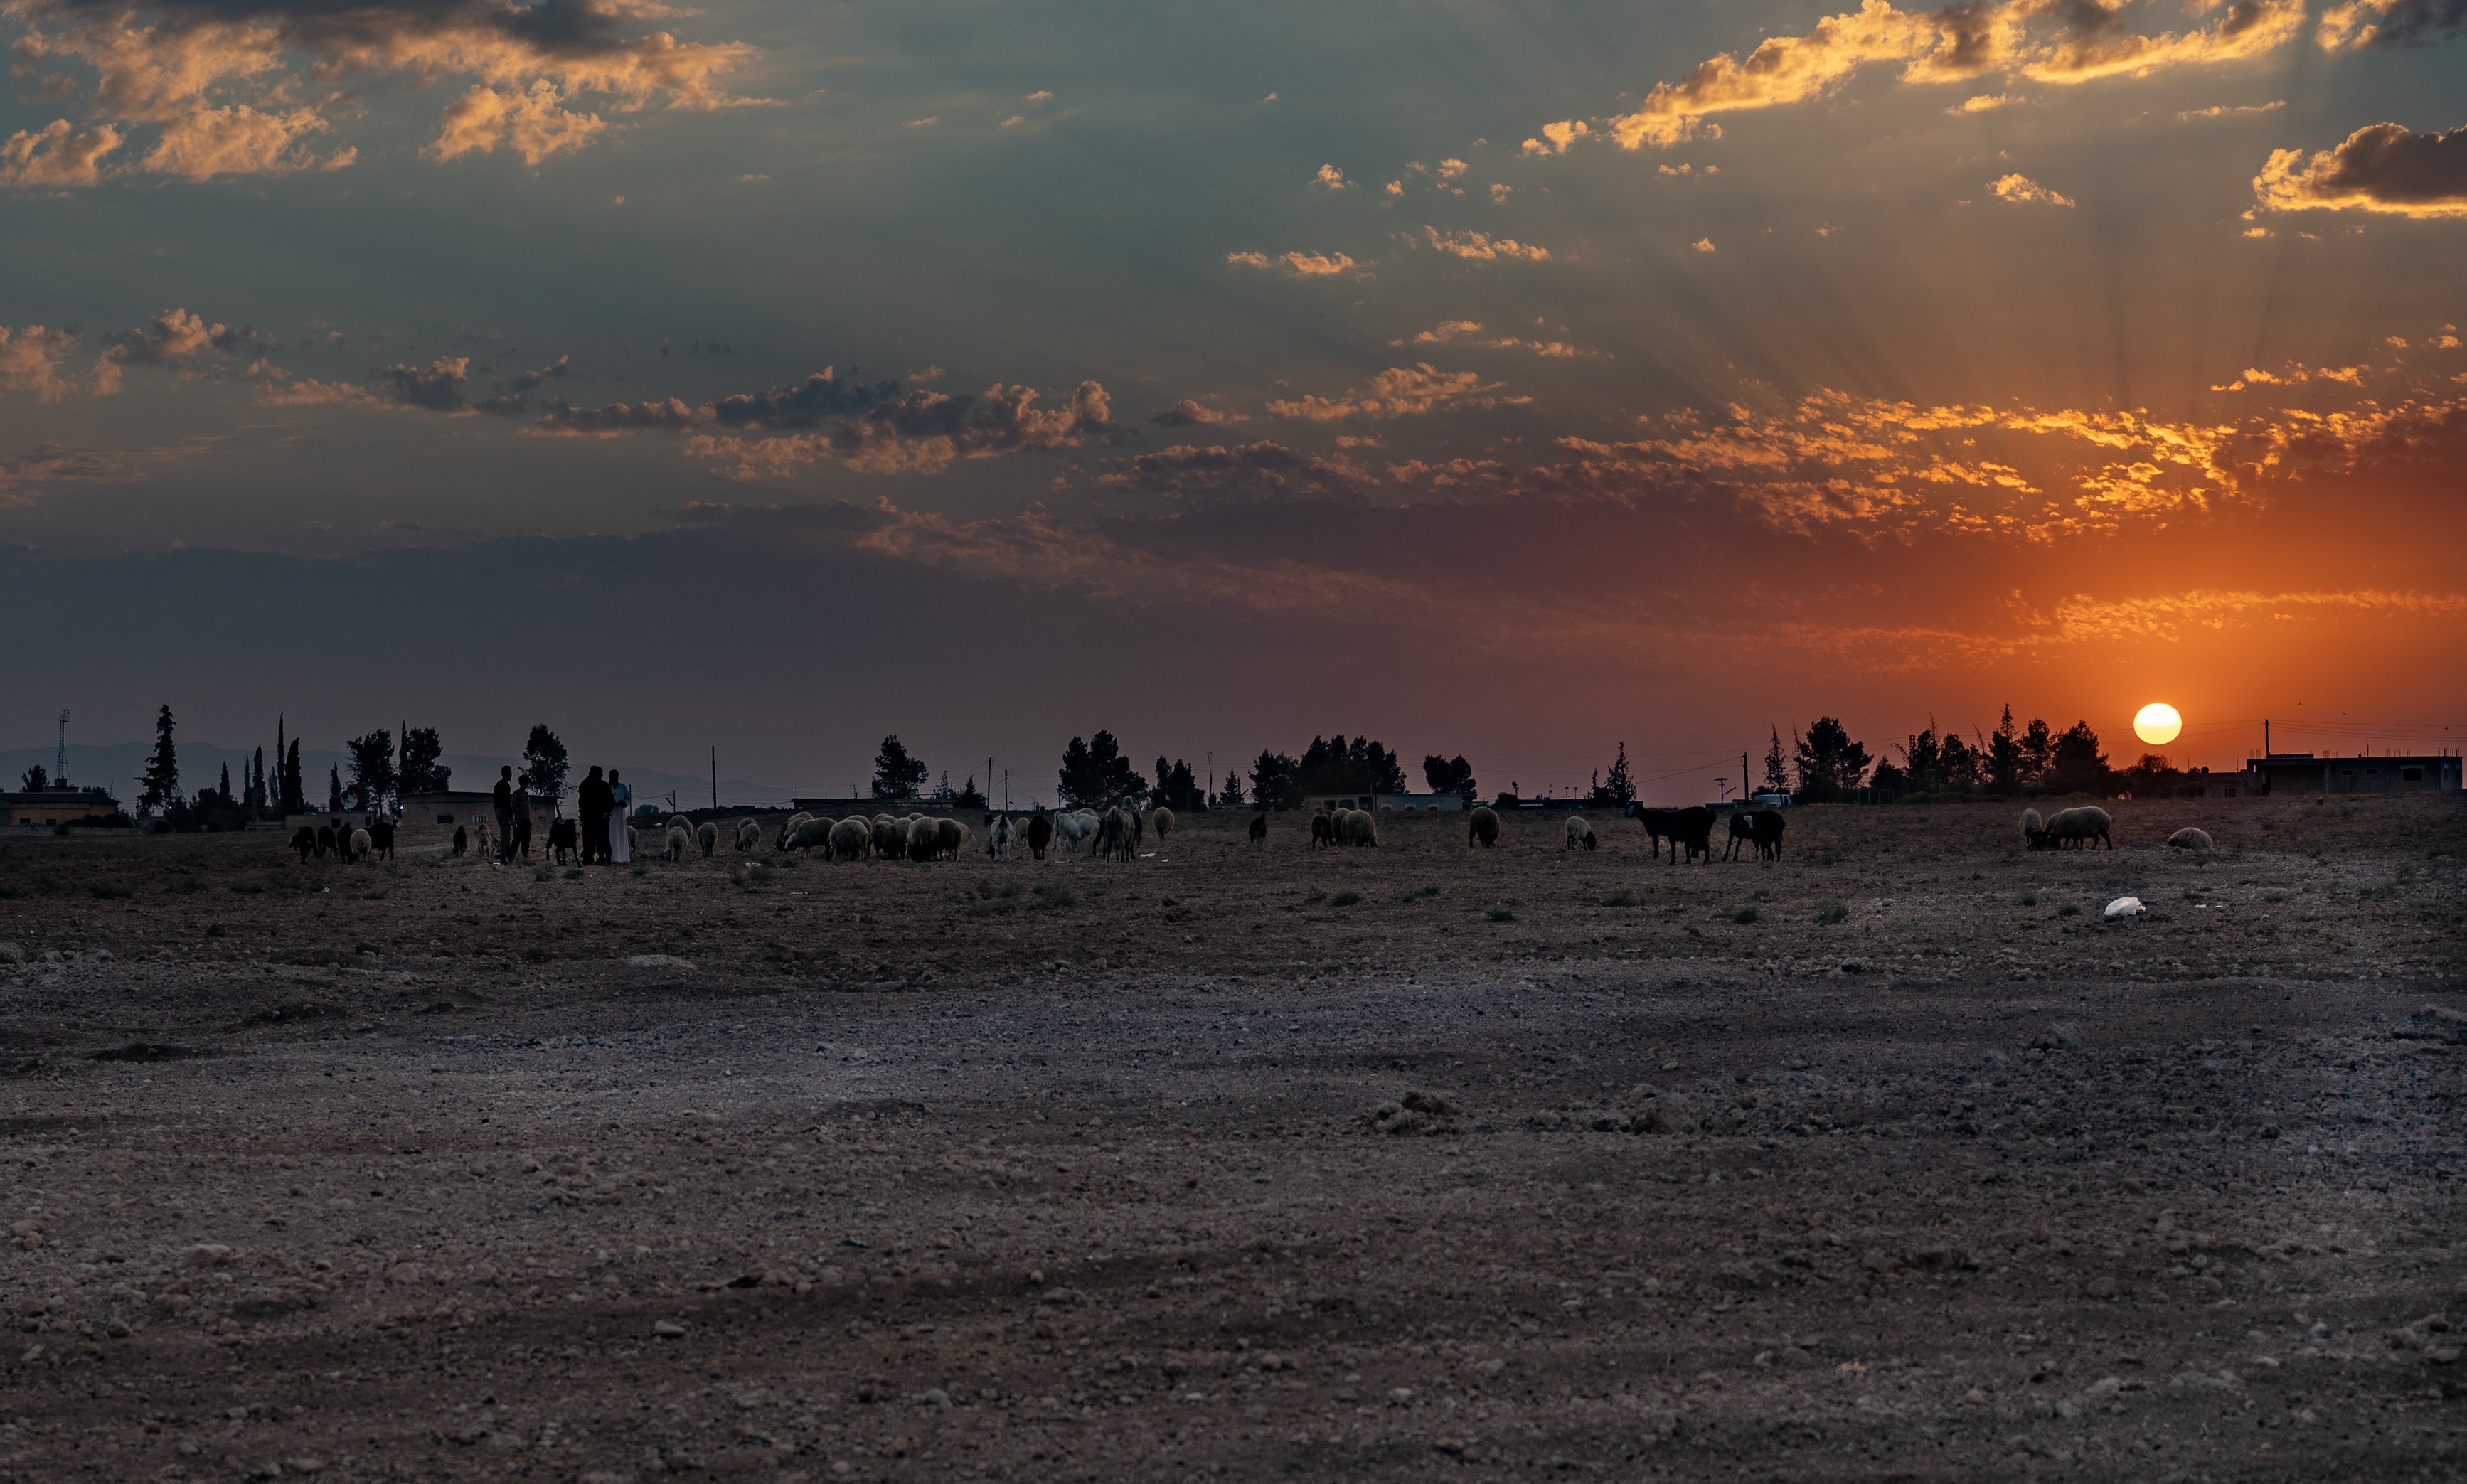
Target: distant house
<point>2398,773</point>
<point>51,806</point>
<point>449,807</point>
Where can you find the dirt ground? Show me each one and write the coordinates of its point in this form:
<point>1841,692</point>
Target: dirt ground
<point>1892,1160</point>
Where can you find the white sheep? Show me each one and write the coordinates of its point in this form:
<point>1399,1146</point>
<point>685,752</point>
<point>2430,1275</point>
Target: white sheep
<point>852,838</point>
<point>951,838</point>
<point>1579,832</point>
<point>788,827</point>
<point>749,833</point>
<point>924,837</point>
<point>2034,831</point>
<point>2078,828</point>
<point>1073,826</point>
<point>998,838</point>
<point>679,842</point>
<point>359,845</point>
<point>1357,827</point>
<point>708,836</point>
<point>2190,839</point>
<point>808,833</point>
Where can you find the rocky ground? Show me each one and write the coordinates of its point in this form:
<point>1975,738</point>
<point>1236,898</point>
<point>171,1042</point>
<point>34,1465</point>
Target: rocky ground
<point>1893,1160</point>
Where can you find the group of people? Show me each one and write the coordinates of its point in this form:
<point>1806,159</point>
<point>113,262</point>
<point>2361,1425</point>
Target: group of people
<point>603,803</point>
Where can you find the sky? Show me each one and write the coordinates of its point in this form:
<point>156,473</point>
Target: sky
<point>1513,381</point>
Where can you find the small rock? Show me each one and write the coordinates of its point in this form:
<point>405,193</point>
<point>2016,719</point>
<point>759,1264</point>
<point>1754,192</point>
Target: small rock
<point>668,1329</point>
<point>2063,1036</point>
<point>2125,907</point>
<point>660,961</point>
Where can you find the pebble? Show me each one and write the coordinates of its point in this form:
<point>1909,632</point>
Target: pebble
<point>668,1329</point>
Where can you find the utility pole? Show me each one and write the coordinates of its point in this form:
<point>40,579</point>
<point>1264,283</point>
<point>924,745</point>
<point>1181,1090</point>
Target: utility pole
<point>990,784</point>
<point>1721,790</point>
<point>715,776</point>
<point>1211,779</point>
<point>1005,790</point>
<point>1744,790</point>
<point>61,762</point>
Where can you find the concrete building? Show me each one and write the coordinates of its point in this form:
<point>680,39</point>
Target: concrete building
<point>1388,803</point>
<point>445,809</point>
<point>57,806</point>
<point>2397,773</point>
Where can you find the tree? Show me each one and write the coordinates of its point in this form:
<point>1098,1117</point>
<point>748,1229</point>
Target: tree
<point>1923,758</point>
<point>372,769</point>
<point>1449,776</point>
<point>1620,788</point>
<point>159,785</point>
<point>895,773</point>
<point>256,774</point>
<point>2038,752</point>
<point>1273,783</point>
<point>544,759</point>
<point>2076,765</point>
<point>944,793</point>
<point>225,790</point>
<point>422,771</point>
<point>1095,774</point>
<point>1776,767</point>
<point>295,790</point>
<point>1229,796</point>
<point>1830,764</point>
<point>1177,788</point>
<point>1333,765</point>
<point>35,780</point>
<point>333,790</point>
<point>1957,764</point>
<point>2004,759</point>
<point>968,797</point>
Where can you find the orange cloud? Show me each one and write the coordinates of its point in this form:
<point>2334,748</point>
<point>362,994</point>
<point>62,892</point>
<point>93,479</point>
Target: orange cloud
<point>1482,247</point>
<point>1399,391</point>
<point>60,155</point>
<point>1295,265</point>
<point>2381,167</point>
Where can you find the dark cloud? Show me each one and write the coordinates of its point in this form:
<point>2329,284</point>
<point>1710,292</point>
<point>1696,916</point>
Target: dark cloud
<point>565,27</point>
<point>823,396</point>
<point>2418,22</point>
<point>557,370</point>
<point>175,335</point>
<point>1187,413</point>
<point>2380,168</point>
<point>1248,472</point>
<point>435,388</point>
<point>671,416</point>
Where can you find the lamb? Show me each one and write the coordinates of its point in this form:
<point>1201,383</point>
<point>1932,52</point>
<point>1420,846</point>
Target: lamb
<point>2075,828</point>
<point>924,839</point>
<point>1761,828</point>
<point>359,847</point>
<point>562,834</point>
<point>1258,828</point>
<point>2190,839</point>
<point>1359,828</point>
<point>850,839</point>
<point>708,836</point>
<point>1115,838</point>
<point>304,840</point>
<point>1482,827</point>
<point>749,834</point>
<point>953,838</point>
<point>1040,834</point>
<point>679,842</point>
<point>2034,831</point>
<point>1579,832</point>
<point>1162,822</point>
<point>381,836</point>
<point>461,841</point>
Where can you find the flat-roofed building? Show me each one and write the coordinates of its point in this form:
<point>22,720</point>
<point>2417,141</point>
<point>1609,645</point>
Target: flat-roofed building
<point>45,808</point>
<point>2396,772</point>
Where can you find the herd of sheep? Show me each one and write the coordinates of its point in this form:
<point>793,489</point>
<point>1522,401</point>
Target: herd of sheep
<point>1118,833</point>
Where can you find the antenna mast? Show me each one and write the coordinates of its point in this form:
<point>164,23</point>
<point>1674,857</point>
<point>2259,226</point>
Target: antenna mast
<point>60,760</point>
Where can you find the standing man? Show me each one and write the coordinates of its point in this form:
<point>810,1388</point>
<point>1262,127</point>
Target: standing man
<point>624,793</point>
<point>593,798</point>
<point>520,842</point>
<point>504,797</point>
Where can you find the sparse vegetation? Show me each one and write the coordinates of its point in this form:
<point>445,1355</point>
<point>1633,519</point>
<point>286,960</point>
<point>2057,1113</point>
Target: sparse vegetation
<point>1499,914</point>
<point>1828,913</point>
<point>1744,915</point>
<point>1345,899</point>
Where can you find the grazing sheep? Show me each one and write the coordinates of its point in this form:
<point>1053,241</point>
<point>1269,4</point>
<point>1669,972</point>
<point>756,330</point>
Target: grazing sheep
<point>461,841</point>
<point>890,839</point>
<point>1258,828</point>
<point>2190,839</point>
<point>1657,824</point>
<point>749,834</point>
<point>850,839</point>
<point>304,840</point>
<point>1482,828</point>
<point>1579,832</point>
<point>788,827</point>
<point>707,835</point>
<point>359,847</point>
<point>1039,833</point>
<point>562,835</point>
<point>924,839</point>
<point>954,838</point>
<point>998,838</point>
<point>1359,828</point>
<point>2035,830</point>
<point>633,841</point>
<point>679,842</point>
<point>327,842</point>
<point>1163,822</point>
<point>811,832</point>
<point>1139,822</point>
<point>1690,830</point>
<point>1323,829</point>
<point>1761,828</point>
<point>2075,828</point>
<point>1115,838</point>
<point>381,836</point>
<point>1070,827</point>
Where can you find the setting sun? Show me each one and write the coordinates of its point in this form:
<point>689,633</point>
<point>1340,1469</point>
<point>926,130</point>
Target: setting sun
<point>2156,724</point>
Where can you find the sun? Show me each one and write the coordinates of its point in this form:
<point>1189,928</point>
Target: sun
<point>2156,724</point>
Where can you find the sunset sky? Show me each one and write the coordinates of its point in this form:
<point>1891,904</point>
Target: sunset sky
<point>1504,379</point>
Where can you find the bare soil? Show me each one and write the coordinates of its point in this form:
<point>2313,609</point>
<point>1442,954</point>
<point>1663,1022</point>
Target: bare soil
<point>1893,1159</point>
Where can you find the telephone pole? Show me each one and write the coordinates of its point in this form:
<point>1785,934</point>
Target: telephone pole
<point>61,762</point>
<point>715,776</point>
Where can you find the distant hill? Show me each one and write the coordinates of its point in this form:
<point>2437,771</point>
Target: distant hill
<point>116,767</point>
